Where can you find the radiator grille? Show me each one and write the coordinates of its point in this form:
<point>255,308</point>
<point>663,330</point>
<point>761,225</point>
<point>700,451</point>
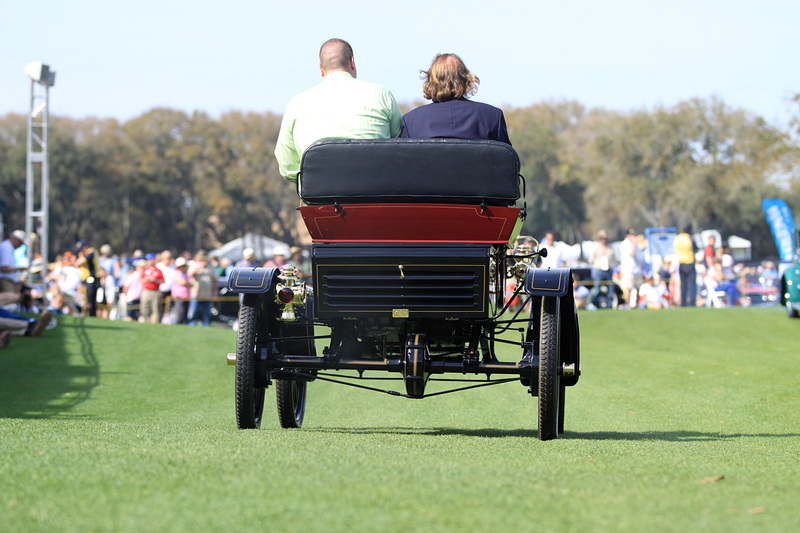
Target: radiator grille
<point>451,290</point>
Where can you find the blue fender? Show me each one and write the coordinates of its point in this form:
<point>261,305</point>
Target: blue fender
<point>548,281</point>
<point>557,282</point>
<point>249,280</point>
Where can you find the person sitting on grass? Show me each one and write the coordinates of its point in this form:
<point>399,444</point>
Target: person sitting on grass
<point>22,326</point>
<point>653,293</point>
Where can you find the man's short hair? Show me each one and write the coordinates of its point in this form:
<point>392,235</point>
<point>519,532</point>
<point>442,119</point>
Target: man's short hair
<point>448,79</point>
<point>335,54</point>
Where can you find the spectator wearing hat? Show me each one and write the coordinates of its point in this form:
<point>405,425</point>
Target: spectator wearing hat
<point>107,260</point>
<point>109,263</point>
<point>203,290</point>
<point>248,259</point>
<point>9,271</point>
<point>180,292</point>
<point>152,278</point>
<point>279,254</point>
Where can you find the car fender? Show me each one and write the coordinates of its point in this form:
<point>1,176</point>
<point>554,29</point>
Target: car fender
<point>557,282</point>
<point>548,281</point>
<point>249,280</point>
<point>790,284</point>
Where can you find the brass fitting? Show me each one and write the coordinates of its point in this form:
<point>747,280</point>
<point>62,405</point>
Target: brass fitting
<point>290,291</point>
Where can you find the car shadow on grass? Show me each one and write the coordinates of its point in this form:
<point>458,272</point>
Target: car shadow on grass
<point>44,378</point>
<point>668,436</point>
<point>440,431</point>
<point>664,436</point>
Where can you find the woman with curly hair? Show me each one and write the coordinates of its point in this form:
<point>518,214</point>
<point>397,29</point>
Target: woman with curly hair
<point>449,84</point>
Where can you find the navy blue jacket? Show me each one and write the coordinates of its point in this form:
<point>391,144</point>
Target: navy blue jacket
<point>460,119</point>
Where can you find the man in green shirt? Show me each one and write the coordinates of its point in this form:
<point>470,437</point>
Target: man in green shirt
<point>339,107</point>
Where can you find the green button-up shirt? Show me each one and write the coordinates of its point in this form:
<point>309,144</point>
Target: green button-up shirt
<point>339,107</point>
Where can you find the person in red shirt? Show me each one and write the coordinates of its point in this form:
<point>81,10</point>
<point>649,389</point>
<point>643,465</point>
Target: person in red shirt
<point>710,251</point>
<point>152,278</point>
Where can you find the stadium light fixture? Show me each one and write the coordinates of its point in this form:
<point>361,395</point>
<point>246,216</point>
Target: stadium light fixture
<point>41,73</point>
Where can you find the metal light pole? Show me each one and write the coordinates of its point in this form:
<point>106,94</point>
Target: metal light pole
<point>42,78</point>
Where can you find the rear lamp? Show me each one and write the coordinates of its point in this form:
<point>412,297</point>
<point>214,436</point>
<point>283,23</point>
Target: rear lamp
<point>286,295</point>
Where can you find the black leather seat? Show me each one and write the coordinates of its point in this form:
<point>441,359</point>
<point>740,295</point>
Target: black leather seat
<point>409,171</point>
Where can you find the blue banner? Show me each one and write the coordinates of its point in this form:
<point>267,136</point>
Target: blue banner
<point>781,223</point>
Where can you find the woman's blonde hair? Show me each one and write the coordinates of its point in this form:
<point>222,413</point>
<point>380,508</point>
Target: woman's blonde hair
<point>448,78</point>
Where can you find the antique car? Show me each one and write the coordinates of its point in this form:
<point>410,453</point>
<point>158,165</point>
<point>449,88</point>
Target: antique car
<point>790,282</point>
<point>413,242</point>
<point>758,290</point>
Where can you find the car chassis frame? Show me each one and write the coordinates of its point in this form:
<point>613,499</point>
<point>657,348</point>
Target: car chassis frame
<point>413,247</point>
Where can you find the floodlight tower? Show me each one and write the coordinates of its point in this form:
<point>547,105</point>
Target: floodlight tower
<point>42,78</point>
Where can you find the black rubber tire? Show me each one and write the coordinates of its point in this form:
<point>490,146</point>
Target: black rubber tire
<point>249,396</point>
<point>561,390</point>
<point>291,396</point>
<point>791,312</point>
<point>550,389</point>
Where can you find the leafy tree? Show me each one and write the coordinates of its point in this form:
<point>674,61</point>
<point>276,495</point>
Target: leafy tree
<point>167,179</point>
<point>542,137</point>
<point>699,162</point>
<point>13,150</point>
<point>262,201</point>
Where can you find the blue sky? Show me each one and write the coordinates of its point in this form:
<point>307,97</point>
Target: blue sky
<point>120,58</point>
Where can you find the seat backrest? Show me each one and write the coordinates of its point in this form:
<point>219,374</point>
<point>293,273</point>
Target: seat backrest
<point>409,170</point>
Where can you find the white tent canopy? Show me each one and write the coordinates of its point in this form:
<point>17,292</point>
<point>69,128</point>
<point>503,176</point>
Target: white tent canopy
<point>261,244</point>
<point>740,248</point>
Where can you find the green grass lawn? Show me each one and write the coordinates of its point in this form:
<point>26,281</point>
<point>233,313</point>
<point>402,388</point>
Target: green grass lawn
<point>683,420</point>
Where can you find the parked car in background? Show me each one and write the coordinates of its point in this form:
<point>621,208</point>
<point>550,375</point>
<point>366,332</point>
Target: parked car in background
<point>225,309</point>
<point>758,290</point>
<point>790,282</point>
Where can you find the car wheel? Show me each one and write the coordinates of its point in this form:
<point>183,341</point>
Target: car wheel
<point>291,396</point>
<point>550,389</point>
<point>250,385</point>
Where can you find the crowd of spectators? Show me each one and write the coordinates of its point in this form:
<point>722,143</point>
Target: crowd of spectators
<point>15,297</point>
<point>160,288</point>
<point>141,286</point>
<point>618,275</point>
<point>623,279</point>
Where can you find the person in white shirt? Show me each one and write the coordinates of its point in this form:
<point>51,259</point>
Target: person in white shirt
<point>630,268</point>
<point>653,293</point>
<point>555,254</point>
<point>9,271</point>
<point>167,267</point>
<point>603,260</point>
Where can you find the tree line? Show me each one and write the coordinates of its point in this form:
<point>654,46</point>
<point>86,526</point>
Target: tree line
<point>172,180</point>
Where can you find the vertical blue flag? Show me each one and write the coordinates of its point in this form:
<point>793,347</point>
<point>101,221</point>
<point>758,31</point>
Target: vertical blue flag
<point>781,223</point>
